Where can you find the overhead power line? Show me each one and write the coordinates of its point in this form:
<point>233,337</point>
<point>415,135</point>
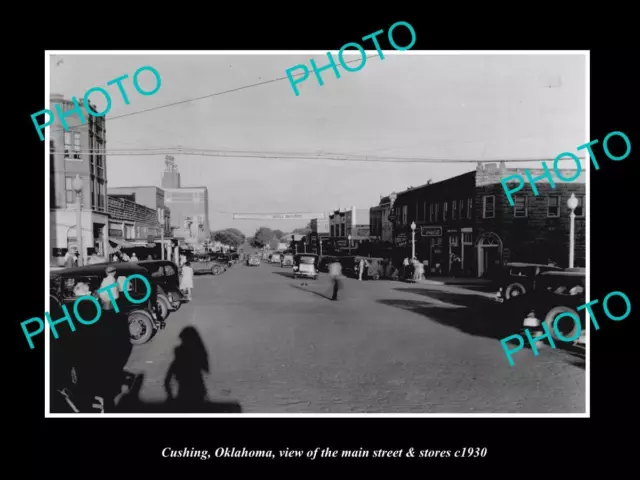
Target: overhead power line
<point>296,156</point>
<point>211,95</point>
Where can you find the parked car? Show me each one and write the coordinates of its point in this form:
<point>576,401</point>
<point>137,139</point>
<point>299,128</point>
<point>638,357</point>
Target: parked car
<point>557,291</point>
<point>517,279</point>
<point>305,265</point>
<point>166,277</point>
<point>207,263</point>
<point>288,260</point>
<point>144,319</point>
<point>253,261</point>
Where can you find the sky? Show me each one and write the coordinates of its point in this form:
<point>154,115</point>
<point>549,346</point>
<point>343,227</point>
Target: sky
<point>479,107</point>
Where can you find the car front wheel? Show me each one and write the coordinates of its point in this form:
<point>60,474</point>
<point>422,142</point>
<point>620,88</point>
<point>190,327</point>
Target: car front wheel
<point>565,326</point>
<point>140,327</point>
<point>514,290</point>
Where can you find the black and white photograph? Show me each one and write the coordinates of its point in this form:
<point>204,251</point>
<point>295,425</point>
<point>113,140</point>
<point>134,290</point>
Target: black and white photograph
<point>375,233</point>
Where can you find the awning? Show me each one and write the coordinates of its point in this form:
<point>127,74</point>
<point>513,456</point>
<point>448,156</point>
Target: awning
<point>121,243</point>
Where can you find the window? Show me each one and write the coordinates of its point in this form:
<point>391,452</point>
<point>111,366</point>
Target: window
<point>70,194</point>
<point>67,145</point>
<point>431,212</point>
<point>76,145</point>
<point>520,206</point>
<point>424,211</point>
<point>94,197</point>
<point>466,238</point>
<point>579,211</point>
<point>461,202</point>
<point>437,212</point>
<point>469,207</point>
<point>405,214</point>
<point>453,240</point>
<point>454,210</point>
<point>445,210</point>
<point>553,207</point>
<point>488,206</point>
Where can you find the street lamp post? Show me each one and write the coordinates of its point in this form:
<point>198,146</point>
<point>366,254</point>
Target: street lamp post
<point>572,203</point>
<point>77,185</point>
<point>413,240</point>
<point>349,237</point>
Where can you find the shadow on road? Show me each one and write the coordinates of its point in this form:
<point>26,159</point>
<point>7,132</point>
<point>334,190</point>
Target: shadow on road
<point>191,361</point>
<point>323,295</point>
<point>286,274</point>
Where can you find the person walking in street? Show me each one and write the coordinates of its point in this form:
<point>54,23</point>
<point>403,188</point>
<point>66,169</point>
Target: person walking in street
<point>70,259</point>
<point>405,267</point>
<point>335,272</point>
<point>186,282</point>
<point>360,268</point>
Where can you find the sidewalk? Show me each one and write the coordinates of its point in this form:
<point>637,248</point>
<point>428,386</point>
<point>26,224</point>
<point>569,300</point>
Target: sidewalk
<point>461,281</point>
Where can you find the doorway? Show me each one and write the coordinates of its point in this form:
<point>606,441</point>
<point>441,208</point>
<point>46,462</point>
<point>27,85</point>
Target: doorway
<point>489,254</point>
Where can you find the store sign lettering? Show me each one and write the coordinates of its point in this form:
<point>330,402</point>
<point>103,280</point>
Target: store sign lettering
<point>431,231</point>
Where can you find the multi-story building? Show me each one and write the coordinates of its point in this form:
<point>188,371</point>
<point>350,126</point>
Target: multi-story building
<point>189,206</point>
<point>536,228</point>
<point>80,150</point>
<point>131,221</point>
<point>349,222</point>
<point>149,196</point>
<point>319,236</point>
<point>381,228</point>
<point>443,213</point>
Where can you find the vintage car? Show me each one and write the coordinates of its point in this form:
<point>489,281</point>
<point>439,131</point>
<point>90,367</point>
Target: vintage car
<point>274,258</point>
<point>375,270</point>
<point>305,265</point>
<point>253,261</point>
<point>556,292</point>
<point>287,260</point>
<point>144,319</point>
<point>165,275</point>
<point>207,263</point>
<point>517,279</point>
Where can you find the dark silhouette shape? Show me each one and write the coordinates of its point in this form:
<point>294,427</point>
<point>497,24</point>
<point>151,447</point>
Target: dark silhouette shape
<point>190,361</point>
<point>311,291</point>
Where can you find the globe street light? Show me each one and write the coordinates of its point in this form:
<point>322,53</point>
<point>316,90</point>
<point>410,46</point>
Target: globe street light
<point>413,240</point>
<point>572,203</point>
<point>349,237</point>
<point>77,185</point>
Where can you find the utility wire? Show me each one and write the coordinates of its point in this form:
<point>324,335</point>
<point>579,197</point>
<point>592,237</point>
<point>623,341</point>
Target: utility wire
<point>211,95</point>
<point>301,156</point>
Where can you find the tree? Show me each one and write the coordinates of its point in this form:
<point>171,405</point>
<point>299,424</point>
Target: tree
<point>231,236</point>
<point>303,231</point>
<point>279,233</point>
<point>262,237</point>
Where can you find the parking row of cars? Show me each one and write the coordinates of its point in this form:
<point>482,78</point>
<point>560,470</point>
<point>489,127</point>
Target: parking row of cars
<point>145,319</point>
<point>536,294</point>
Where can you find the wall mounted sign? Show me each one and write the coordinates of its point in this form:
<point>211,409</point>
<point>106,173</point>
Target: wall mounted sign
<point>426,231</point>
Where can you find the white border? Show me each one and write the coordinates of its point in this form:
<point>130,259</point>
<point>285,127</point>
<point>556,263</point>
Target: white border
<point>587,206</point>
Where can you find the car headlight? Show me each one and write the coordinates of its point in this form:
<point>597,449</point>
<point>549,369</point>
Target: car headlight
<point>531,321</point>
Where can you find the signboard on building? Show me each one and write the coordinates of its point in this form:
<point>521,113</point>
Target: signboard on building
<point>277,216</point>
<point>401,239</point>
<point>427,231</point>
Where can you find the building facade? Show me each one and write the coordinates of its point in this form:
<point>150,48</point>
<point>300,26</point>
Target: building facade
<point>80,150</point>
<point>131,221</point>
<point>319,236</point>
<point>443,213</point>
<point>536,229</point>
<point>149,196</point>
<point>349,222</point>
<point>381,228</point>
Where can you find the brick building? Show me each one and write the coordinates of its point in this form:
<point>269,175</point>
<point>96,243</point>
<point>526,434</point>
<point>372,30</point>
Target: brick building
<point>444,217</point>
<point>149,196</point>
<point>349,222</point>
<point>80,150</point>
<point>536,228</point>
<point>380,225</point>
<point>131,221</point>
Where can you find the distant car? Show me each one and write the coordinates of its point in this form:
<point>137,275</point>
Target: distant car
<point>287,260</point>
<point>275,258</point>
<point>253,261</point>
<point>517,279</point>
<point>556,292</point>
<point>306,265</point>
<point>206,263</point>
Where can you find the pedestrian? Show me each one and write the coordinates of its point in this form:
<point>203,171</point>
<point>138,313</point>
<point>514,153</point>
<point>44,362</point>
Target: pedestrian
<point>405,267</point>
<point>360,268</point>
<point>69,259</point>
<point>110,279</point>
<point>419,270</point>
<point>186,282</point>
<point>134,258</point>
<point>335,273</point>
